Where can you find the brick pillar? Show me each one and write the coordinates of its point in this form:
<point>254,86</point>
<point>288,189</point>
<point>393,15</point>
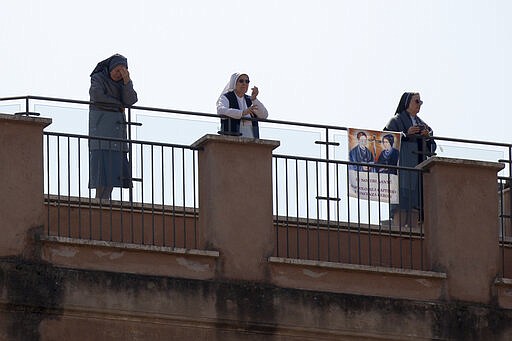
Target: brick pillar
<point>235,203</point>
<point>21,180</point>
<point>461,225</point>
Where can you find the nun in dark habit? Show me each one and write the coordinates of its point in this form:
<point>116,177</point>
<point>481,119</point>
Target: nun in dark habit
<point>416,145</point>
<point>111,92</point>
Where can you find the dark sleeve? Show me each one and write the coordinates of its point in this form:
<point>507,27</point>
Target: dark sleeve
<point>392,125</point>
<point>129,95</point>
<point>98,92</point>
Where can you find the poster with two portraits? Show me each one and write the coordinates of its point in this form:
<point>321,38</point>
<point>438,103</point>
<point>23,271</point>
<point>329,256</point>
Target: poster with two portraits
<point>371,151</point>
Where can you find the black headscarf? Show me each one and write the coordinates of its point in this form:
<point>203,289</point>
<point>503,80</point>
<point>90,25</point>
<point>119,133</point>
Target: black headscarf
<point>390,138</point>
<point>110,63</point>
<point>404,101</point>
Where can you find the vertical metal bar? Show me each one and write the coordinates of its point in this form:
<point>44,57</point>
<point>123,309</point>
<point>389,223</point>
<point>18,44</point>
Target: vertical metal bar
<point>349,232</point>
<point>128,178</point>
<point>184,197</point>
<point>391,218</point>
<point>317,214</point>
<point>152,194</point>
<point>79,188</point>
<point>90,194</point>
<point>194,189</point>
<point>338,227</point>
<point>143,240</point>
<point>307,210</point>
<point>328,203</point>
<point>297,205</point>
<point>173,200</point>
<point>69,186</point>
<point>58,186</point>
<point>369,218</point>
<point>48,179</point>
<point>358,218</point>
<point>163,195</point>
<point>130,154</point>
<point>421,221</point>
<point>379,216</point>
<point>276,170</point>
<point>286,207</point>
<point>502,226</point>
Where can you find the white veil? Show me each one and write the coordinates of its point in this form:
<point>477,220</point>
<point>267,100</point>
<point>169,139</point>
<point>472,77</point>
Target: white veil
<point>232,83</point>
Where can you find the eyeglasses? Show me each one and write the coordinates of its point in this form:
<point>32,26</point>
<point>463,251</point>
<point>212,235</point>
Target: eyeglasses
<point>246,81</point>
<point>418,101</point>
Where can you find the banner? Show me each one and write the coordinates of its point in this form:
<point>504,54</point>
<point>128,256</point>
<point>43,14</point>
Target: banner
<point>374,148</point>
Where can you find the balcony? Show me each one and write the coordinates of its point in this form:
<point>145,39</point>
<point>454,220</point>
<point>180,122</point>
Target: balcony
<point>291,224</point>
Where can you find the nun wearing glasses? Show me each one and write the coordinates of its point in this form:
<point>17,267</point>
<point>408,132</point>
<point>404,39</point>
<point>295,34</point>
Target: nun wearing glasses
<point>416,145</point>
<point>233,105</point>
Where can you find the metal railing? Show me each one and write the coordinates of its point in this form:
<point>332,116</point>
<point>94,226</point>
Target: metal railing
<point>343,226</point>
<point>160,209</point>
<point>315,141</point>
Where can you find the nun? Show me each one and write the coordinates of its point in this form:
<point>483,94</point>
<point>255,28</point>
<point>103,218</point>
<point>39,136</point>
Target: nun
<point>110,93</point>
<point>416,145</point>
<point>233,105</point>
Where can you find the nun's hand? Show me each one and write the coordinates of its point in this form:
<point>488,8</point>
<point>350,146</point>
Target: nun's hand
<point>254,93</point>
<point>413,130</point>
<point>126,75</point>
<point>425,132</point>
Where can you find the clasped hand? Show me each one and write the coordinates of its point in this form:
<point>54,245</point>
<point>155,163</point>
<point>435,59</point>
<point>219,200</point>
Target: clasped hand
<point>250,111</point>
<point>421,130</point>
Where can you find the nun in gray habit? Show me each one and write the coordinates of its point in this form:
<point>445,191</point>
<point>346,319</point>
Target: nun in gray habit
<point>110,93</point>
<point>416,145</point>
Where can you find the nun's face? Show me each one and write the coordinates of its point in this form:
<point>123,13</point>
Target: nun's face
<point>414,104</point>
<point>386,144</point>
<point>116,73</point>
<point>362,141</point>
<point>242,85</point>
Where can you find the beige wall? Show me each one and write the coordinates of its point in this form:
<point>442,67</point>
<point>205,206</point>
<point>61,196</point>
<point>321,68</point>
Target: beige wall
<point>21,180</point>
<point>233,286</point>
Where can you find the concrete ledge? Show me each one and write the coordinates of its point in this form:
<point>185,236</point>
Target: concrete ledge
<point>504,292</point>
<point>129,258</point>
<point>26,119</point>
<point>233,139</point>
<point>427,164</point>
<point>357,279</point>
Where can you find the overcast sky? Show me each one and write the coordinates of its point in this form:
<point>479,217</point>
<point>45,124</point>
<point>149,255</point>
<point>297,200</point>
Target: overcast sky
<point>336,62</point>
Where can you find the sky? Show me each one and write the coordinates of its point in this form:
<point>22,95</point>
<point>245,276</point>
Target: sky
<point>335,62</point>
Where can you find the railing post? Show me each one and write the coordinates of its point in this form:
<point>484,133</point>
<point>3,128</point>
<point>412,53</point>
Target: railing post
<point>21,180</point>
<point>235,203</point>
<point>461,225</point>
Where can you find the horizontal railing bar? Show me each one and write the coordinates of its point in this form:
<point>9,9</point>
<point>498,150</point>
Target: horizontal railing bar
<point>341,162</point>
<point>327,143</point>
<point>292,123</point>
<point>87,137</point>
<point>172,111</point>
<point>328,198</point>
